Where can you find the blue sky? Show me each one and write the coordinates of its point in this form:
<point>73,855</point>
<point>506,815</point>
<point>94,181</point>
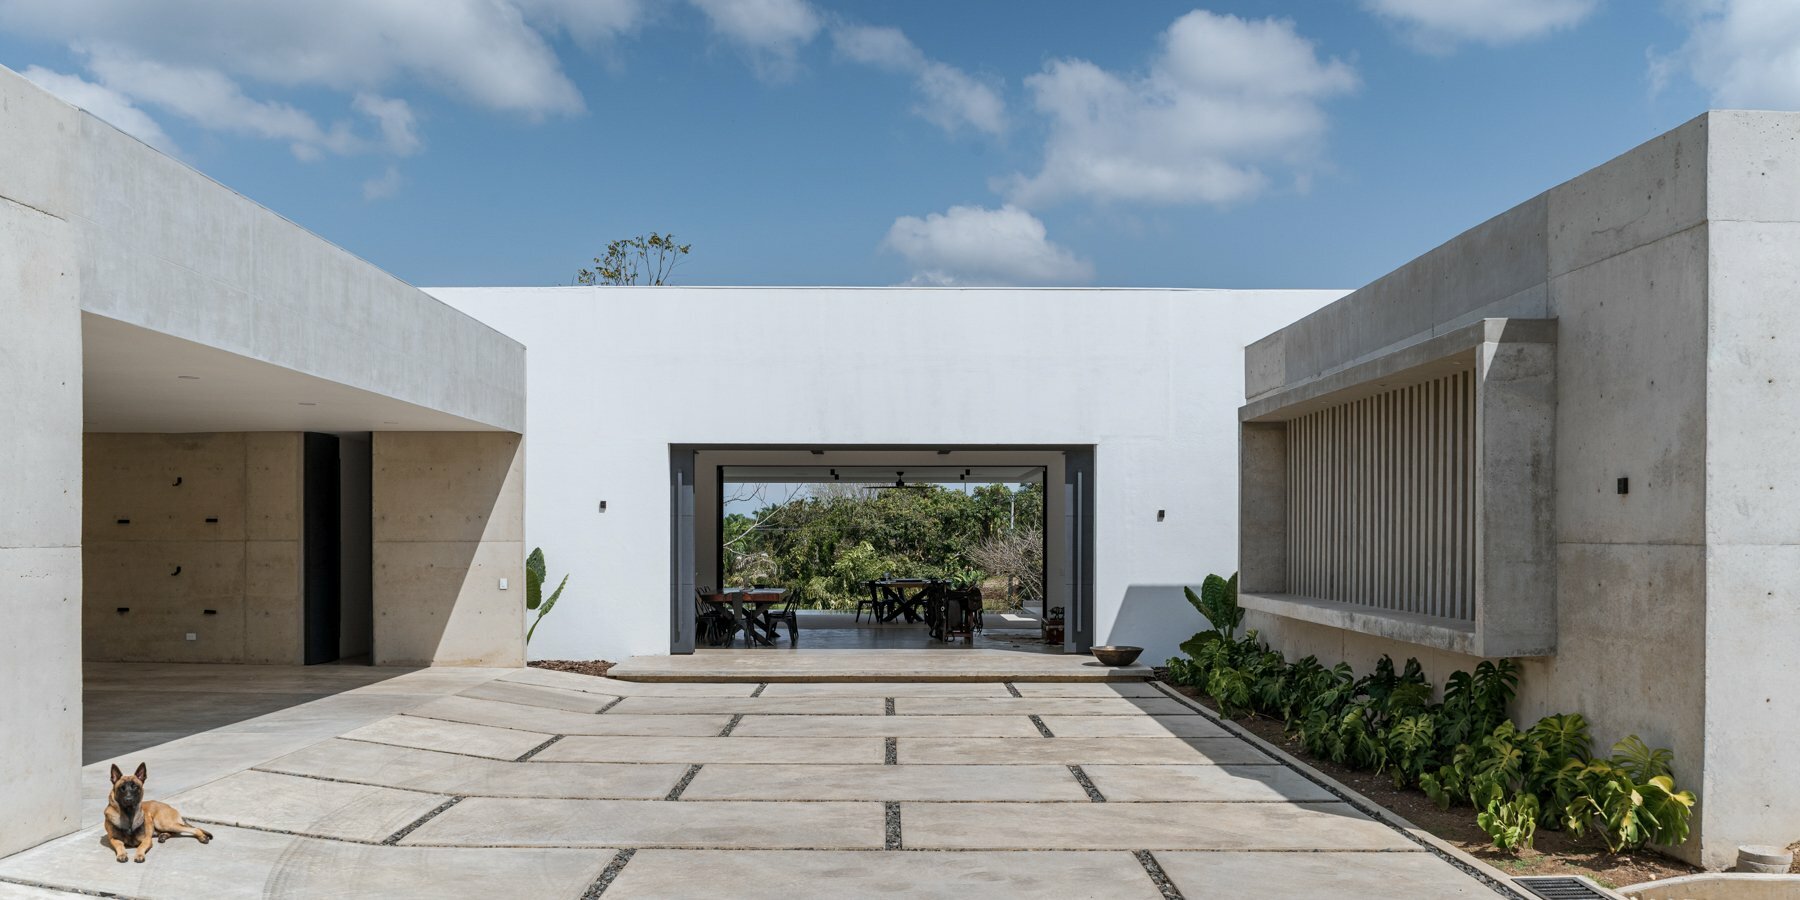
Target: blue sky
<point>1230,144</point>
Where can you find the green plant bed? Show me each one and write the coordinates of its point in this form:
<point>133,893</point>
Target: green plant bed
<point>1461,752</point>
<point>1551,853</point>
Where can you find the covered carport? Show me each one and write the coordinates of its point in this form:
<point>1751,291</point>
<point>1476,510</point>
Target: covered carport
<point>220,432</point>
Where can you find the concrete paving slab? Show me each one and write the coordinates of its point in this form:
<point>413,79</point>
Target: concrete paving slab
<point>1041,706</point>
<point>443,773</point>
<point>539,696</point>
<point>306,805</point>
<point>886,689</point>
<point>1143,826</point>
<point>734,749</point>
<point>450,737</point>
<point>252,865</point>
<point>558,721</point>
<point>687,706</point>
<point>656,823</point>
<point>880,726</point>
<point>1020,783</point>
<point>616,688</point>
<point>192,761</point>
<point>1080,751</point>
<point>1304,876</point>
<point>10,891</point>
<point>805,874</point>
<point>1132,726</point>
<point>1088,689</point>
<point>1156,784</point>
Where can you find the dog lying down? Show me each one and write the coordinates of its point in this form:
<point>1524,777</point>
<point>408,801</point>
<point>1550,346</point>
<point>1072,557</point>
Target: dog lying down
<point>131,821</point>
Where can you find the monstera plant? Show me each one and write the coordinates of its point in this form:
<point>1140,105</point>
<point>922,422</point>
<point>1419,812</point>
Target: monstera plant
<point>534,590</point>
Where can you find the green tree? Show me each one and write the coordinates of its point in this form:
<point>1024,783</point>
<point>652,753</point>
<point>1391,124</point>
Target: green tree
<point>627,260</point>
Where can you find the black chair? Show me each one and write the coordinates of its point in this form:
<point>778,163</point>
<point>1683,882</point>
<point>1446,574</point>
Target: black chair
<point>872,603</point>
<point>784,611</point>
<point>713,623</point>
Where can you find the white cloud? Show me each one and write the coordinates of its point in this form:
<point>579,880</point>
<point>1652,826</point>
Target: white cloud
<point>383,186</point>
<point>214,101</point>
<point>399,127</point>
<point>949,97</point>
<point>488,52</point>
<point>105,103</point>
<point>770,31</point>
<point>1224,99</point>
<point>1745,53</point>
<point>1437,26</point>
<point>974,245</point>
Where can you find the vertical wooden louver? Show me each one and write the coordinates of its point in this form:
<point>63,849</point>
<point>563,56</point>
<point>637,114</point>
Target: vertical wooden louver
<point>1381,500</point>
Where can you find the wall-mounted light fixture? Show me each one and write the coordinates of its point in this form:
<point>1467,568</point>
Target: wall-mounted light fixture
<point>1160,514</point>
<point>818,453</point>
<point>1625,485</point>
<point>603,506</point>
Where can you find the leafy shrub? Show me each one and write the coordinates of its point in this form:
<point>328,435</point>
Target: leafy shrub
<point>1462,751</point>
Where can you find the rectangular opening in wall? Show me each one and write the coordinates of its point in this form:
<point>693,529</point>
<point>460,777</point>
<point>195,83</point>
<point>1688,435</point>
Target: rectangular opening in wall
<point>1381,506</point>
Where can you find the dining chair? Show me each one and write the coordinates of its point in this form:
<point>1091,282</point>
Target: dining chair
<point>872,603</point>
<point>711,622</point>
<point>784,611</point>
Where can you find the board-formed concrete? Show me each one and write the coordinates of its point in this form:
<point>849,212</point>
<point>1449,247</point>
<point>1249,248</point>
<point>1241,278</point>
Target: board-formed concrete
<point>845,808</point>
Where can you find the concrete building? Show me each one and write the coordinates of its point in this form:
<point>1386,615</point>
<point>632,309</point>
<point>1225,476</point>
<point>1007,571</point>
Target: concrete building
<point>1118,394</point>
<point>216,425</point>
<point>1562,436</point>
<point>1555,438</point>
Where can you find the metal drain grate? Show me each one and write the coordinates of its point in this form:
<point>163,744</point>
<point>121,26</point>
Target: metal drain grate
<point>1562,887</point>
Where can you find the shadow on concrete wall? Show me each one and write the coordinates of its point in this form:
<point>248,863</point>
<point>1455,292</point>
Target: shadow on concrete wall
<point>1157,618</point>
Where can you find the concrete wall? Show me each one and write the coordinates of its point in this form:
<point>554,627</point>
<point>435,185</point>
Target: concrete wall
<point>1671,271</point>
<point>1150,378</point>
<point>245,566</point>
<point>449,524</point>
<point>40,483</point>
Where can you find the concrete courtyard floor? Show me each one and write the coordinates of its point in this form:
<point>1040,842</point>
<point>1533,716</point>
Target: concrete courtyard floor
<point>532,783</point>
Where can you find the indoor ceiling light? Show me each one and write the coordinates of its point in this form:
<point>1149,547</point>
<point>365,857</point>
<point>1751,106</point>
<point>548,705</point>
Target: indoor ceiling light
<point>188,377</point>
<point>307,403</point>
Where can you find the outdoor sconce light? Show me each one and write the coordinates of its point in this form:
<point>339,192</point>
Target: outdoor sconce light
<point>1624,485</point>
<point>1160,513</point>
<point>603,506</point>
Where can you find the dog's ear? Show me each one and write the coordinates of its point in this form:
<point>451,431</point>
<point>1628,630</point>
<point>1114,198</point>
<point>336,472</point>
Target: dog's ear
<point>143,772</point>
<point>116,774</point>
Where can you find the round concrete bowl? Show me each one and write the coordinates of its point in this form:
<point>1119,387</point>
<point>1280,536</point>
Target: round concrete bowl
<point>1117,656</point>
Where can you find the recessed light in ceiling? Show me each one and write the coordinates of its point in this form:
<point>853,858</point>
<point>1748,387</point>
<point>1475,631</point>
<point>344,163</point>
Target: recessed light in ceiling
<point>304,403</point>
<point>188,377</point>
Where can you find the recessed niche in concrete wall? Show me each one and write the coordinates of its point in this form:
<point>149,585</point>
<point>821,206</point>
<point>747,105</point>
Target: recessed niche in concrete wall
<point>1409,496</point>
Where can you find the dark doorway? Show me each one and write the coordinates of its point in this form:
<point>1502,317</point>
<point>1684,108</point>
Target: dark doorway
<point>322,570</point>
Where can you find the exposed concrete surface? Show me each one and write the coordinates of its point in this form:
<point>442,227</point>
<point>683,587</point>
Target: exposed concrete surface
<point>223,508</point>
<point>449,525</point>
<point>1304,876</point>
<point>40,485</point>
<point>788,874</point>
<point>1671,273</point>
<point>788,817</point>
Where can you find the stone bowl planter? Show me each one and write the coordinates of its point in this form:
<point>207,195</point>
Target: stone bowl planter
<point>1117,656</point>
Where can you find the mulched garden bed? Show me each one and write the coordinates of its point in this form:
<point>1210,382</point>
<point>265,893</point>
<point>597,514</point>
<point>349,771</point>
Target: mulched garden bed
<point>597,667</point>
<point>1553,853</point>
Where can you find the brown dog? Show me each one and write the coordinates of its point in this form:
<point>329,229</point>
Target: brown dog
<point>131,821</point>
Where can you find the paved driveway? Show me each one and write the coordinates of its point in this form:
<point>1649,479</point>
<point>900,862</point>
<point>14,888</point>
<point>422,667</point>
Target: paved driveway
<point>545,784</point>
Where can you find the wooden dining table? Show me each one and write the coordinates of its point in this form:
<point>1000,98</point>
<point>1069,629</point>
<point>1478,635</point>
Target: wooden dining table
<point>906,596</point>
<point>757,629</point>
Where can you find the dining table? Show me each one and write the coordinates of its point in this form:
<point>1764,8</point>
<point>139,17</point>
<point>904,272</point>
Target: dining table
<point>906,596</point>
<point>757,629</point>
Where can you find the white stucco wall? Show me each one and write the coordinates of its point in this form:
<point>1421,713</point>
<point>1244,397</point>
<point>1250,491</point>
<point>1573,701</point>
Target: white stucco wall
<point>1151,378</point>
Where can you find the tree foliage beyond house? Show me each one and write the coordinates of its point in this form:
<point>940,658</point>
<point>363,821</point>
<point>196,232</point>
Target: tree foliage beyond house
<point>828,544</point>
